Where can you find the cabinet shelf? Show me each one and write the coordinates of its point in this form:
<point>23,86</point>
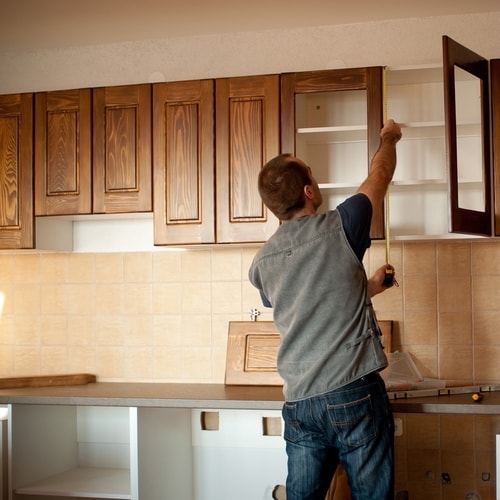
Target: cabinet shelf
<point>464,128</point>
<point>409,183</point>
<point>332,135</point>
<point>346,128</point>
<point>338,186</point>
<point>83,482</point>
<point>426,183</point>
<point>431,124</point>
<point>418,182</point>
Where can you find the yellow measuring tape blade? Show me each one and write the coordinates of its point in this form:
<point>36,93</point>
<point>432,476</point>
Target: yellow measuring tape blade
<point>387,208</point>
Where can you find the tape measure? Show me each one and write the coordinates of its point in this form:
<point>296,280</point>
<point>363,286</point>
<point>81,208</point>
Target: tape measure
<point>389,279</point>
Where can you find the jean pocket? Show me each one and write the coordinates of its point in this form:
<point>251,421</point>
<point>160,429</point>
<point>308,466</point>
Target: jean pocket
<point>353,421</point>
<point>293,430</point>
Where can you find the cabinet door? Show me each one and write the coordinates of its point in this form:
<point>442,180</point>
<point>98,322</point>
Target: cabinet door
<point>183,158</point>
<point>122,149</point>
<point>63,152</point>
<point>247,136</point>
<point>16,171</point>
<point>332,120</point>
<point>468,138</point>
<point>495,134</point>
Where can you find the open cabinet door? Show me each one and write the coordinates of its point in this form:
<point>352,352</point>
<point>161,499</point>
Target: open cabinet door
<point>466,91</point>
<point>495,134</point>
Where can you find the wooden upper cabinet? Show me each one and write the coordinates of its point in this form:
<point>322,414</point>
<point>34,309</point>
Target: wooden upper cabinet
<point>337,115</point>
<point>16,171</point>
<point>63,145</point>
<point>196,200</point>
<point>93,151</point>
<point>121,166</point>
<point>183,162</point>
<point>247,136</point>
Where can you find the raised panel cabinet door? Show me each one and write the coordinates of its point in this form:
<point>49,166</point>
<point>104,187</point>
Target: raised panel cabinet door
<point>247,136</point>
<point>183,159</point>
<point>16,171</point>
<point>122,156</point>
<point>333,81</point>
<point>63,177</point>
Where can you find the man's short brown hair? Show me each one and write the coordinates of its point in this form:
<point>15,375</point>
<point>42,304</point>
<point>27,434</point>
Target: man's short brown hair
<point>281,185</point>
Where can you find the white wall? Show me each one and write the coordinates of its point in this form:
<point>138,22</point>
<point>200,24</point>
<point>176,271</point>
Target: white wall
<point>392,43</point>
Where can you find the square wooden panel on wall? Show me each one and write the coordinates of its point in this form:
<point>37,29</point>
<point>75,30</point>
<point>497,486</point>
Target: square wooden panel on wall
<point>252,352</point>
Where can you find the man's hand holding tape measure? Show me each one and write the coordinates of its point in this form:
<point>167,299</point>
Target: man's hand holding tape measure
<point>379,281</point>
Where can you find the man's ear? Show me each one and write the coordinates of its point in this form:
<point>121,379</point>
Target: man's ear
<point>308,191</point>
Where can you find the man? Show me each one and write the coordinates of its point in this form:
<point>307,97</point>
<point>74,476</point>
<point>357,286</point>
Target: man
<point>310,271</point>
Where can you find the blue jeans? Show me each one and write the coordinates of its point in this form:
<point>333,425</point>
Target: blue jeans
<point>353,425</point>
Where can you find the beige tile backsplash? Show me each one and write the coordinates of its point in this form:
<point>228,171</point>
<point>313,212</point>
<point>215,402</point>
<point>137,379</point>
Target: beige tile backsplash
<point>163,316</point>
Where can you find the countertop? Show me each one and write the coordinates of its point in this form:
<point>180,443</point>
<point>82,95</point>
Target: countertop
<point>220,396</point>
<point>159,395</point>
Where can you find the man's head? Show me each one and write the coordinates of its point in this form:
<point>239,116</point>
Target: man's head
<point>286,186</point>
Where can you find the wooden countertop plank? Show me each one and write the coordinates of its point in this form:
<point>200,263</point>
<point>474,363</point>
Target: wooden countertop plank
<point>47,380</point>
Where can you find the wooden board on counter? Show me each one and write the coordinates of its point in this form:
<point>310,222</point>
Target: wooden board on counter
<point>47,380</point>
<point>252,352</point>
